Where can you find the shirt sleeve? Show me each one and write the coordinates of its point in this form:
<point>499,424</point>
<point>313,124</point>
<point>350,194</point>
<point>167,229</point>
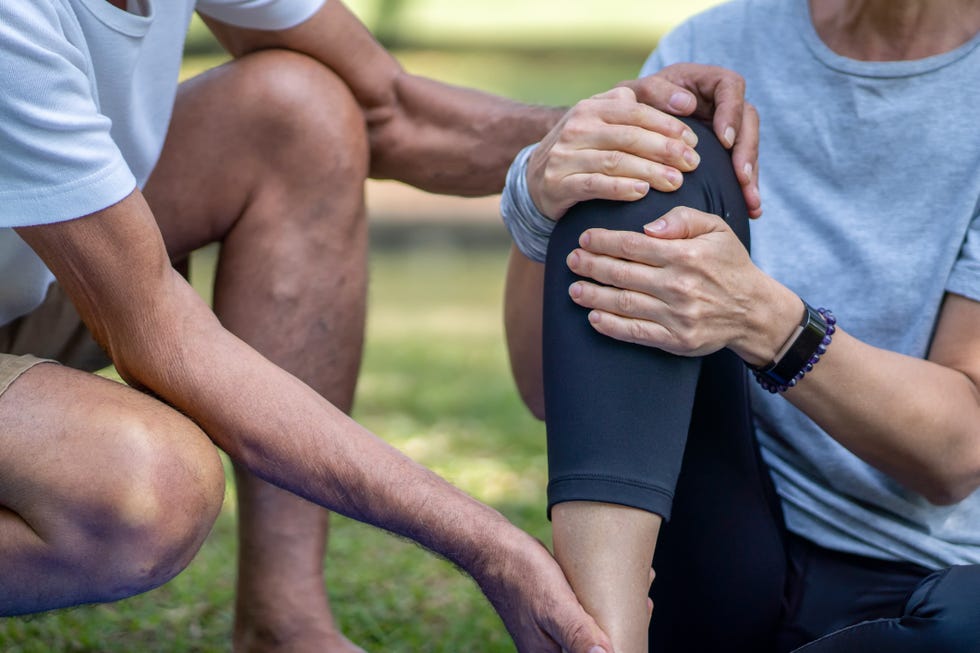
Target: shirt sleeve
<point>260,14</point>
<point>57,158</point>
<point>965,277</point>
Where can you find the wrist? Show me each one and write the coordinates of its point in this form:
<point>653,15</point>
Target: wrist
<point>801,352</point>
<point>770,324</point>
<point>529,228</point>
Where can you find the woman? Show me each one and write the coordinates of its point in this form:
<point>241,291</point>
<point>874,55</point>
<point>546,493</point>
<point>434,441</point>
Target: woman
<point>871,534</point>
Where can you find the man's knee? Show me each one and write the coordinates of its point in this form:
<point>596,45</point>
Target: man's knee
<point>302,110</point>
<point>150,507</point>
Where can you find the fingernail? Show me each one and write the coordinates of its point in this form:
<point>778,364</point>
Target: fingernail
<point>597,649</point>
<point>657,225</point>
<point>575,290</point>
<point>689,137</point>
<point>572,259</point>
<point>641,187</point>
<point>584,239</point>
<point>692,158</point>
<point>595,317</point>
<point>680,101</point>
<point>673,177</point>
<point>747,169</point>
<point>729,136</point>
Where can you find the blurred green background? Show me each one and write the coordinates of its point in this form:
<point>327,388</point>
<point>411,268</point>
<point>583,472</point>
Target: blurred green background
<point>435,380</point>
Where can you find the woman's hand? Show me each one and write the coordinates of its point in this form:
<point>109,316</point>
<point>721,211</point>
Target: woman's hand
<point>619,144</point>
<point>610,146</point>
<point>686,286</point>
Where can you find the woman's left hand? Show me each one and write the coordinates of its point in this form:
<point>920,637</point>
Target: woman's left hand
<point>686,285</point>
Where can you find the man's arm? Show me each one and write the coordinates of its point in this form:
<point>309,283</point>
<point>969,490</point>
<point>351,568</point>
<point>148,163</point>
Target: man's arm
<point>163,338</point>
<point>445,138</point>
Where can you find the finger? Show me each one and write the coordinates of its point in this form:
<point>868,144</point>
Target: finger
<point>640,332</point>
<point>663,94</point>
<point>745,158</point>
<point>626,303</point>
<point>607,271</point>
<point>729,100</point>
<point>593,185</point>
<point>720,94</point>
<point>684,222</point>
<point>581,122</point>
<point>579,633</point>
<point>617,245</point>
<point>601,147</point>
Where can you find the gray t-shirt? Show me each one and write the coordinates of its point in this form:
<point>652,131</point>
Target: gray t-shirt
<point>870,179</point>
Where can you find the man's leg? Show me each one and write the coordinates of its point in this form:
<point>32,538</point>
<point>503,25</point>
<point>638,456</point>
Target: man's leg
<point>268,155</point>
<point>104,492</point>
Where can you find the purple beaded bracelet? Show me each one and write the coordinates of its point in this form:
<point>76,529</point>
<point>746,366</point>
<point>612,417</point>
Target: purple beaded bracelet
<point>815,333</point>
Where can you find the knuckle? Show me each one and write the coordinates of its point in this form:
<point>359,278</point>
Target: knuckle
<point>684,213</point>
<point>625,302</point>
<point>632,245</point>
<point>681,285</point>
<point>623,93</point>
<point>611,161</point>
<point>620,274</point>
<point>576,636</point>
<point>636,331</point>
<point>590,183</point>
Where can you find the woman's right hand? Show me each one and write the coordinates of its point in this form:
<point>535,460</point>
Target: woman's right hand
<point>610,146</point>
<point>619,144</point>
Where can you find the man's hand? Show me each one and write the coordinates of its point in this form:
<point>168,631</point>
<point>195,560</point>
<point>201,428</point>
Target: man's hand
<point>686,286</point>
<point>530,593</point>
<point>715,94</point>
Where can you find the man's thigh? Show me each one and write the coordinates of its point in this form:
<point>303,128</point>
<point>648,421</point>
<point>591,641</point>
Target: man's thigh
<point>256,135</point>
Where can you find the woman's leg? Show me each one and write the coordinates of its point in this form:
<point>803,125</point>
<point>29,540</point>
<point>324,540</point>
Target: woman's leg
<point>721,561</point>
<point>618,416</point>
<point>840,602</point>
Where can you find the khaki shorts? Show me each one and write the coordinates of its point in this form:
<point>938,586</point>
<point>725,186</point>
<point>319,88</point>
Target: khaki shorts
<point>53,332</point>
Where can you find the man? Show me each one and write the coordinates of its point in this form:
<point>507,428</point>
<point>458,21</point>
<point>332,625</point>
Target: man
<point>108,492</point>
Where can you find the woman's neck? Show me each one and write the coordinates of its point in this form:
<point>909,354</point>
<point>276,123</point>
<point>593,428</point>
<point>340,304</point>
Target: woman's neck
<point>894,30</point>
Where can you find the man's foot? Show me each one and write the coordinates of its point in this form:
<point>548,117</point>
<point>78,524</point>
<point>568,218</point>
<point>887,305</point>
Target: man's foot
<point>293,637</point>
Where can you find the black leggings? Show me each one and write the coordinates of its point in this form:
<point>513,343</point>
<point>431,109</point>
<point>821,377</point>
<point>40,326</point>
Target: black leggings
<point>673,435</point>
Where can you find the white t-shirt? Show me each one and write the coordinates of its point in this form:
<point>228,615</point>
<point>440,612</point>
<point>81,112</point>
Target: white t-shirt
<point>88,91</point>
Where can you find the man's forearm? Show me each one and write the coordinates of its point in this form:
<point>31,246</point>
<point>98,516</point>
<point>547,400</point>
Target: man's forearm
<point>284,432</point>
<point>448,139</point>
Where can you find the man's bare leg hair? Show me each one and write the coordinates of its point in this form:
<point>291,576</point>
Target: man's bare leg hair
<point>268,155</point>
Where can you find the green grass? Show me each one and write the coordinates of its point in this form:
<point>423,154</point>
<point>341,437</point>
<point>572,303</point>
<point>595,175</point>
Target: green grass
<point>435,384</point>
<point>435,381</point>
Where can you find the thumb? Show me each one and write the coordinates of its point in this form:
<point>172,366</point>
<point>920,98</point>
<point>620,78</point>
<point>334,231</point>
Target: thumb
<point>583,635</point>
<point>661,93</point>
<point>683,222</point>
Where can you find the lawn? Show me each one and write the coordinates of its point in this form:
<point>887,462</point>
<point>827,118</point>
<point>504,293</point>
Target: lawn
<point>436,385</point>
<point>435,381</point>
